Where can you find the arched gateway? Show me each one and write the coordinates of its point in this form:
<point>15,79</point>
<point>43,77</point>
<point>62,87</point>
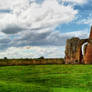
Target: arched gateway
<point>73,52</point>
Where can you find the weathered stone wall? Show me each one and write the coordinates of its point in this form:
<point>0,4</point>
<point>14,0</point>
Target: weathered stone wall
<point>73,52</point>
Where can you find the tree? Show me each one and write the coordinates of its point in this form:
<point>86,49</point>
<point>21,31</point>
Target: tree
<point>42,57</point>
<point>5,58</point>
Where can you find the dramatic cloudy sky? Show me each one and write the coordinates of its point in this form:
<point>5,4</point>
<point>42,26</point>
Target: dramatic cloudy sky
<point>34,28</point>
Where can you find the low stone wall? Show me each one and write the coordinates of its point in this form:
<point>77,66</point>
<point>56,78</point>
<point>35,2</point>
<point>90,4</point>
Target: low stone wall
<point>30,61</point>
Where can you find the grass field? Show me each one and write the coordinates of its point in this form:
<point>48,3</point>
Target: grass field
<point>46,78</point>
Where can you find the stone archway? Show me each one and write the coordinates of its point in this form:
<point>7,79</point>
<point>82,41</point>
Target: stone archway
<point>84,48</point>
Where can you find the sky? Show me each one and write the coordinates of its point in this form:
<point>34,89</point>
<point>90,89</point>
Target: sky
<point>35,28</point>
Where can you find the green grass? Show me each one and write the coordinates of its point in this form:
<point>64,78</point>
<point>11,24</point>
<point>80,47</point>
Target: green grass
<point>46,78</point>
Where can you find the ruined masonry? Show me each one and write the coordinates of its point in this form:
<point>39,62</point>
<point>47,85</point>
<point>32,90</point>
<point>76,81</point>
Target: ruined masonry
<point>76,53</point>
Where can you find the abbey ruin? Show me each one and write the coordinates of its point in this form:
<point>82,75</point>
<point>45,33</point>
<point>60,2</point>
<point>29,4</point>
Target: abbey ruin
<point>79,51</point>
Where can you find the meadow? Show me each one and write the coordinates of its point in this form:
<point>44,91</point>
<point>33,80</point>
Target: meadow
<point>46,78</point>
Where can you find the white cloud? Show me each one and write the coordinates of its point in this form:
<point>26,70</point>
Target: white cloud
<point>9,4</point>
<point>33,52</point>
<point>81,34</point>
<point>80,2</point>
<point>35,16</point>
<point>87,20</point>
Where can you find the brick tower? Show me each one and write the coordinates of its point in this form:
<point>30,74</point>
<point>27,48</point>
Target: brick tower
<point>88,54</point>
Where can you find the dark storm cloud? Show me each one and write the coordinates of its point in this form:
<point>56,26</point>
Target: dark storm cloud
<point>44,39</point>
<point>12,29</point>
<point>4,43</point>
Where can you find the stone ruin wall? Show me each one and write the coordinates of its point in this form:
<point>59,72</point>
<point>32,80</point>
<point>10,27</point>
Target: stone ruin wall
<point>73,52</point>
